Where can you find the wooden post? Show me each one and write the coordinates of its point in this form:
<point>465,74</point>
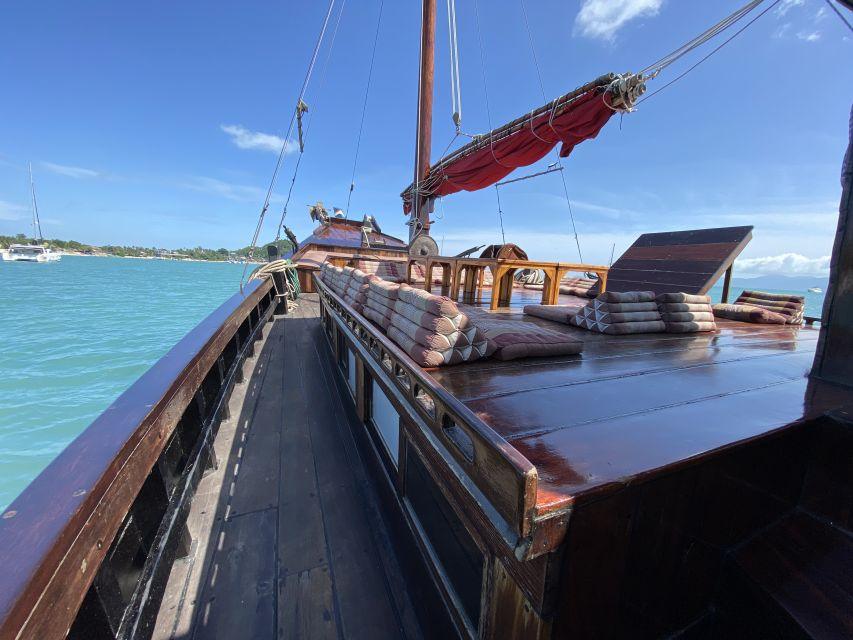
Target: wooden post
<point>727,282</point>
<point>420,214</point>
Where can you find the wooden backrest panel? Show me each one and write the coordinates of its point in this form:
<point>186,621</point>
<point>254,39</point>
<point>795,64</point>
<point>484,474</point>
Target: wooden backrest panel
<point>688,261</point>
<point>54,536</point>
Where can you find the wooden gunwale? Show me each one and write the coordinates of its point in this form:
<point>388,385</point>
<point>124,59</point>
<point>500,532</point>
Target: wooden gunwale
<point>518,509</point>
<point>55,535</point>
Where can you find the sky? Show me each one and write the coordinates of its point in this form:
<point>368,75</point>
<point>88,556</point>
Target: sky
<point>159,123</point>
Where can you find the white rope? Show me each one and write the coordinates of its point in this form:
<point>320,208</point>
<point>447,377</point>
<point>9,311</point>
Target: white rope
<point>310,121</point>
<point>455,83</point>
<point>284,142</point>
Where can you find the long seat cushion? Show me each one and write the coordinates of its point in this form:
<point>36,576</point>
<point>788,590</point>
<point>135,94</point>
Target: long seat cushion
<point>790,306</point>
<point>512,339</point>
<point>748,313</point>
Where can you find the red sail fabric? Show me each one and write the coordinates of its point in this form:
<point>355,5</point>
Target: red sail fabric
<point>582,120</point>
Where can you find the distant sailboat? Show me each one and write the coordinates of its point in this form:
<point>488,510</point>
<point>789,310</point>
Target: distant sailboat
<point>37,252</point>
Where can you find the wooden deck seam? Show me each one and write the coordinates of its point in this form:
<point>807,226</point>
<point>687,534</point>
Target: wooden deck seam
<point>620,376</point>
<point>466,370</point>
<point>339,626</point>
<point>337,407</point>
<point>535,433</point>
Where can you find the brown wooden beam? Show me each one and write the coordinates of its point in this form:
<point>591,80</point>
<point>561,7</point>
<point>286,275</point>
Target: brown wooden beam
<point>420,212</point>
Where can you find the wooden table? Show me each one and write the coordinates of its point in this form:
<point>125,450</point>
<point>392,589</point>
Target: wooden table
<point>468,274</point>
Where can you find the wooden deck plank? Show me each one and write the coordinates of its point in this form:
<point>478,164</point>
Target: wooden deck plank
<point>283,549</point>
<point>239,599</point>
<point>539,410</point>
<point>305,608</point>
<point>354,558</point>
<point>589,458</point>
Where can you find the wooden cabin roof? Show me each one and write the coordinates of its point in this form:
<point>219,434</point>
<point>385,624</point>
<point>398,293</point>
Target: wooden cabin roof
<point>347,233</point>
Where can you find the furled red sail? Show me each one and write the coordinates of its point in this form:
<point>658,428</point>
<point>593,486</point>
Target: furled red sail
<point>568,121</point>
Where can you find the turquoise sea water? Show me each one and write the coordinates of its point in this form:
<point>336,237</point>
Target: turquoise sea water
<point>75,334</point>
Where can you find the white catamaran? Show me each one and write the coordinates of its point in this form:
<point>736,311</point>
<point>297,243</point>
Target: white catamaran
<point>32,252</point>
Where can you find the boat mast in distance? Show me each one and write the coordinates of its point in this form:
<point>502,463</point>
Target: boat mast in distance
<point>36,222</point>
<point>419,223</point>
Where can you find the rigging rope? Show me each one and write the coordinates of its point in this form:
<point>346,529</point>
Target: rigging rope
<point>455,84</point>
<point>500,214</point>
<point>308,126</point>
<point>838,13</point>
<point>284,142</point>
<point>559,160</point>
<point>751,5</point>
<point>488,109</point>
<point>702,38</point>
<point>364,108</point>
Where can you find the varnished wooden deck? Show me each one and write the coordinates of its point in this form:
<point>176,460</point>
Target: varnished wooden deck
<point>634,405</point>
<point>288,541</point>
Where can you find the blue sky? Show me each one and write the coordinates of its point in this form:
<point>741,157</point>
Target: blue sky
<point>156,123</point>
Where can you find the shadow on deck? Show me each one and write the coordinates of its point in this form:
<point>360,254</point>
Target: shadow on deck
<point>288,540</point>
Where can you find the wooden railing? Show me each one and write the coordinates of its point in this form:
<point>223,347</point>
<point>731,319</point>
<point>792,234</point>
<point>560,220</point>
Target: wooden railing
<point>503,475</point>
<point>133,468</point>
<point>503,270</point>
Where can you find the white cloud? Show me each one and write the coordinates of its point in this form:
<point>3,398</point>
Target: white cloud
<point>603,18</point>
<point>782,30</point>
<point>11,211</point>
<point>790,264</point>
<point>814,36</point>
<point>786,5</point>
<point>212,186</point>
<point>247,139</point>
<point>821,14</point>
<point>71,172</point>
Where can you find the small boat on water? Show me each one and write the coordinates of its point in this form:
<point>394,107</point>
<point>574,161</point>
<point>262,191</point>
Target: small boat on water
<point>815,290</point>
<point>30,253</point>
<point>373,440</point>
<point>36,252</point>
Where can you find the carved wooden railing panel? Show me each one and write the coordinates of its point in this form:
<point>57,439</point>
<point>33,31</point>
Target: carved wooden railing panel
<point>55,536</point>
<point>503,475</point>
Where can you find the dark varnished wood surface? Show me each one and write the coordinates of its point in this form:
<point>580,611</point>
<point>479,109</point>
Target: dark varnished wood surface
<point>631,405</point>
<point>289,540</point>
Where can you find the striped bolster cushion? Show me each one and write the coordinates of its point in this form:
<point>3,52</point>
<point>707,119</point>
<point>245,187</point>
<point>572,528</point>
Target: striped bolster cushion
<point>748,313</point>
<point>687,298</point>
<point>385,289</point>
<point>437,305</point>
<point>438,324</point>
<point>628,296</point>
<point>381,319</point>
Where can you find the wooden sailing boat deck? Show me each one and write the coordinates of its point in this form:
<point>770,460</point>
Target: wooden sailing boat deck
<point>289,541</point>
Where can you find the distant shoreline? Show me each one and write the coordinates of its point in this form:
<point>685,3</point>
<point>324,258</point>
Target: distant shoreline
<point>184,254</point>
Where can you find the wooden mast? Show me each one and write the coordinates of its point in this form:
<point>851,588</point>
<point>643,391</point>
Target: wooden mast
<point>419,223</point>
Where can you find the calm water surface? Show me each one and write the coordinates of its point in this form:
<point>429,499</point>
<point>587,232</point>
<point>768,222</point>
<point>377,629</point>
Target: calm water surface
<point>75,334</point>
